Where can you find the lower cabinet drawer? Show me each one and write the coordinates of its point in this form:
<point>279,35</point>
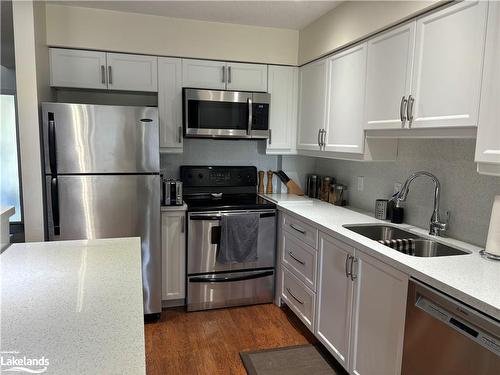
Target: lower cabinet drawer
<point>300,259</point>
<point>298,297</point>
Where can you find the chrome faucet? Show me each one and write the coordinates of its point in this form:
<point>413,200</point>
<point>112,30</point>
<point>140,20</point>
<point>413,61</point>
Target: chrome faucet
<point>436,226</point>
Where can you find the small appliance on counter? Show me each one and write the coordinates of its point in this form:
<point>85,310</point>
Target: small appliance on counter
<point>172,192</point>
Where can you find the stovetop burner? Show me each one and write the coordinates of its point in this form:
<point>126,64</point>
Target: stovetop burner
<point>208,202</point>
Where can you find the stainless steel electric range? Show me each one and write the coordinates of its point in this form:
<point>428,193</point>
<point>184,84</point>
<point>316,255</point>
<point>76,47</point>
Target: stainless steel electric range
<point>210,193</point>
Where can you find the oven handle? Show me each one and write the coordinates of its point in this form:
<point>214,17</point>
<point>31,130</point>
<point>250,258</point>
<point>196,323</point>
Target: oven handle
<point>218,217</point>
<point>226,279</point>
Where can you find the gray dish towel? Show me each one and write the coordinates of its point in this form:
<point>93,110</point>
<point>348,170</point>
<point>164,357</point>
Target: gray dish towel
<point>238,238</point>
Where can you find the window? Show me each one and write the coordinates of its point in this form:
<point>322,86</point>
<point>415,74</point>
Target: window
<point>9,167</point>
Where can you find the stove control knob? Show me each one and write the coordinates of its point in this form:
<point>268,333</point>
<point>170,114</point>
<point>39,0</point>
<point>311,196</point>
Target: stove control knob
<point>200,176</point>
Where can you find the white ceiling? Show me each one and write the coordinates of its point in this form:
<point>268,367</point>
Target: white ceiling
<point>281,14</point>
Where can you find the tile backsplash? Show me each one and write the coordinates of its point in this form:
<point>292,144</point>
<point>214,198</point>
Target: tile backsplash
<point>467,195</point>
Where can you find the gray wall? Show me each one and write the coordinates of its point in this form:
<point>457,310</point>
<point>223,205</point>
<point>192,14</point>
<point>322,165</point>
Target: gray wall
<point>465,193</point>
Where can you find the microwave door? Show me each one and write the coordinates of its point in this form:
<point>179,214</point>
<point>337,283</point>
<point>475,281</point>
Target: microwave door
<point>216,114</point>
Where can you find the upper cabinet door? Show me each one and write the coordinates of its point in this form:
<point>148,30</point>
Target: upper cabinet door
<point>77,68</point>
<point>488,132</point>
<point>312,104</point>
<point>283,82</point>
<point>132,72</point>
<point>204,74</point>
<point>246,77</point>
<point>335,293</point>
<point>388,79</point>
<point>449,54</point>
<point>346,99</point>
<point>170,104</point>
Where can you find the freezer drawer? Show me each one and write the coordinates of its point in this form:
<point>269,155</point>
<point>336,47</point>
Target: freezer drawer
<point>204,237</point>
<point>110,206</point>
<point>84,138</point>
<point>230,289</point>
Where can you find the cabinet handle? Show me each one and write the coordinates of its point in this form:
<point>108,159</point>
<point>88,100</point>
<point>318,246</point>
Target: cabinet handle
<point>228,74</point>
<point>223,74</point>
<point>323,139</point>
<point>110,76</point>
<point>319,137</point>
<point>270,138</point>
<point>351,272</point>
<point>179,134</point>
<point>402,111</point>
<point>300,230</point>
<point>295,298</point>
<point>409,110</point>
<point>183,224</point>
<point>103,75</point>
<point>347,274</point>
<point>297,260</point>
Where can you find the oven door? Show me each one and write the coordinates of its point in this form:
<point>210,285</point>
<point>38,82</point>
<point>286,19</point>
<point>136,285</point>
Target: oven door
<point>204,237</point>
<point>225,114</point>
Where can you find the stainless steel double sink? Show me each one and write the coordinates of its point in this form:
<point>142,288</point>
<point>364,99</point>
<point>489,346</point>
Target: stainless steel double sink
<point>422,247</point>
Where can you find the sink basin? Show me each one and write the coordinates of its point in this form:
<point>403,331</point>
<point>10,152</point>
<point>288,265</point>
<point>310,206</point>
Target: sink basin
<point>423,247</point>
<point>381,232</point>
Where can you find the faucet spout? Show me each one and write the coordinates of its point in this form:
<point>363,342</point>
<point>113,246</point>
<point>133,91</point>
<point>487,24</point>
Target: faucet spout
<point>436,226</point>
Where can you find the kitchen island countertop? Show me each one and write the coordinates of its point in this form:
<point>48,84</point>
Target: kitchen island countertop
<point>76,304</point>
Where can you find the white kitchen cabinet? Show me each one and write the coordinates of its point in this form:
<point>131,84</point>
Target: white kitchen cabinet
<point>246,77</point>
<point>283,87</point>
<point>312,104</point>
<point>204,74</point>
<point>220,75</point>
<point>173,228</point>
<point>488,132</point>
<point>346,99</point>
<point>378,317</point>
<point>132,72</point>
<point>449,52</point>
<point>77,68</point>
<point>334,299</point>
<point>102,70</point>
<point>388,76</point>
<point>170,104</point>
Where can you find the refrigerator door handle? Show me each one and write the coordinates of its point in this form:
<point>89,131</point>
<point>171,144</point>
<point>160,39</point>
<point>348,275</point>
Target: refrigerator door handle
<point>54,194</point>
<point>52,143</point>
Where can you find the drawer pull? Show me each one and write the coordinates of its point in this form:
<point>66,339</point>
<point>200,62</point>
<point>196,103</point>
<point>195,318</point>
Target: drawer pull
<point>295,298</point>
<point>300,230</point>
<point>297,260</point>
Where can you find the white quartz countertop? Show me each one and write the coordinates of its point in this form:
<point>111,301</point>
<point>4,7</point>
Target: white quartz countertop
<point>77,304</point>
<point>469,278</point>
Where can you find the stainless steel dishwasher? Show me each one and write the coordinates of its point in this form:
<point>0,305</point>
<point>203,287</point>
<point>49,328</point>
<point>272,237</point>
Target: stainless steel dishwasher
<point>444,336</point>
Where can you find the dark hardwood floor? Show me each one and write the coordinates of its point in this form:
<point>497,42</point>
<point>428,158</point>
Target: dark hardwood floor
<point>209,342</point>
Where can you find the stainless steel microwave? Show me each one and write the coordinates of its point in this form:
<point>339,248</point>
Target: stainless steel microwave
<point>225,114</point>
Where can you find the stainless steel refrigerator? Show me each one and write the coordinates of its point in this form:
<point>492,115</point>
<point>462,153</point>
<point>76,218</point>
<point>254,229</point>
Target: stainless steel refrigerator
<point>102,180</point>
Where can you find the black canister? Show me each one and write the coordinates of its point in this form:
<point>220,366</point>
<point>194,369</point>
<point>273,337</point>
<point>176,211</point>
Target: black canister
<point>312,186</point>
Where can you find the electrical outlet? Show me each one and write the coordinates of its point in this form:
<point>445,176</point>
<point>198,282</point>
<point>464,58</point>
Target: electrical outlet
<point>397,187</point>
<point>361,183</point>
